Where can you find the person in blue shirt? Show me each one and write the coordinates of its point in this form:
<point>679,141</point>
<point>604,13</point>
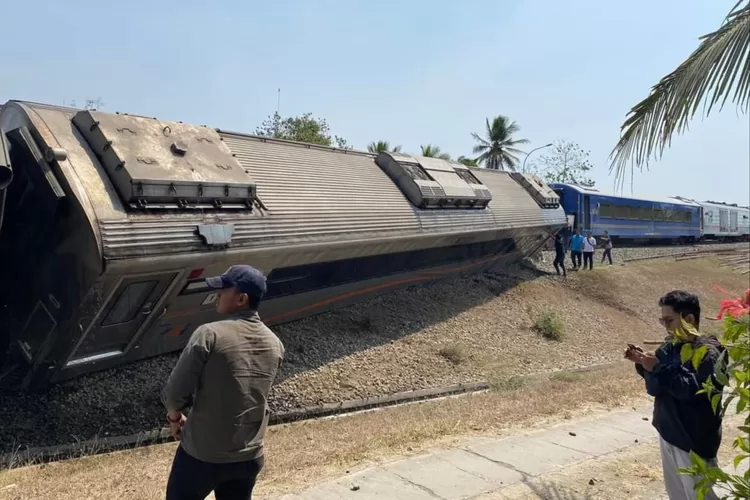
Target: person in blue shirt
<point>576,249</point>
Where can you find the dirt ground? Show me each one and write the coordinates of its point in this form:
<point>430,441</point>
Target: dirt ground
<point>305,453</point>
<point>491,330</point>
<point>492,340</point>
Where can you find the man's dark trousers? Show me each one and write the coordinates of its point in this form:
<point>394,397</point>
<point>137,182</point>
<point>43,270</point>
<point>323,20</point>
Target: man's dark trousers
<point>193,479</point>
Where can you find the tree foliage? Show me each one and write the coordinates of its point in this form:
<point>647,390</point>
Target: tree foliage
<point>434,152</point>
<point>498,149</point>
<point>720,64</point>
<point>303,128</point>
<point>567,162</point>
<point>382,146</point>
<point>735,366</point>
<point>469,162</point>
<point>92,104</point>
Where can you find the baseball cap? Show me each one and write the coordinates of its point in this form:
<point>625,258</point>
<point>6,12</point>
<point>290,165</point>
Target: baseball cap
<point>247,279</point>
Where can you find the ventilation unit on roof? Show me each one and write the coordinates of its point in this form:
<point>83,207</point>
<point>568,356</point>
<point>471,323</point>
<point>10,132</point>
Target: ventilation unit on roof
<point>434,183</point>
<point>166,165</point>
<point>541,192</point>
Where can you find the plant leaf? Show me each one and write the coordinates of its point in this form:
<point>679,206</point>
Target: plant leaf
<point>740,458</point>
<point>698,356</point>
<point>715,399</point>
<point>686,353</point>
<point>708,75</point>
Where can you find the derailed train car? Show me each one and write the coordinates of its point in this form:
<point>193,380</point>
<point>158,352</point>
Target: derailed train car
<point>111,222</point>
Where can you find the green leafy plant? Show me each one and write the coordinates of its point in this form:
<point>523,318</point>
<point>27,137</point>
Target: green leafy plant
<point>732,370</point>
<point>550,325</point>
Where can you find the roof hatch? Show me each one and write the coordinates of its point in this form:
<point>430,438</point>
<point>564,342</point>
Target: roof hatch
<point>434,183</point>
<point>166,165</point>
<point>541,192</point>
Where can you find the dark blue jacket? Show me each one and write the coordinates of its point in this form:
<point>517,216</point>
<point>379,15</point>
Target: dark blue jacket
<point>682,418</point>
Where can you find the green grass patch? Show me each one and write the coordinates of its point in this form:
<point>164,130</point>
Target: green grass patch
<point>550,325</point>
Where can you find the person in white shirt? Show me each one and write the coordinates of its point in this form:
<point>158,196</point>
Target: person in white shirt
<point>589,244</point>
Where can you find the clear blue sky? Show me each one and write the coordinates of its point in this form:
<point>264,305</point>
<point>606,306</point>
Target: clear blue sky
<point>411,72</point>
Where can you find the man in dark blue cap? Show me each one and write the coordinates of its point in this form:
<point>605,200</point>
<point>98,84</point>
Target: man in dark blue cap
<point>227,367</point>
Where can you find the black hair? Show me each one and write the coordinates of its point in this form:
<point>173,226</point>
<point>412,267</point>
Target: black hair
<point>683,303</point>
<point>253,302</point>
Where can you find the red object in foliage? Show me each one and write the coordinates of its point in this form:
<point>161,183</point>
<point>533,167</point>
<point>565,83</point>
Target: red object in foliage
<point>735,307</point>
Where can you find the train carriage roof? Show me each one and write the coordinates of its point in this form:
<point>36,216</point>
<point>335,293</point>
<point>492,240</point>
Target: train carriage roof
<point>597,192</point>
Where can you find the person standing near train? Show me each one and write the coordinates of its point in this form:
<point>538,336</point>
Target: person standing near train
<point>559,261</point>
<point>227,368</point>
<point>576,247</point>
<point>606,241</point>
<point>589,245</point>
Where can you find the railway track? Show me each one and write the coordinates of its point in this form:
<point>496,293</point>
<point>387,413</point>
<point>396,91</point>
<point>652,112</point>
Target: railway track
<point>28,456</point>
<point>737,257</point>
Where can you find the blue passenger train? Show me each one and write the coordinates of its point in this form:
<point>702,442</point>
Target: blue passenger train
<point>630,218</point>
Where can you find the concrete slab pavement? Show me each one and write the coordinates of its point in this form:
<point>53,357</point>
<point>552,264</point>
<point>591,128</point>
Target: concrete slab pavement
<point>482,467</point>
<point>485,465</point>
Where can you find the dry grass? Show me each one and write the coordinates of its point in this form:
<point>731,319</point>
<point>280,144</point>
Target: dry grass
<point>601,311</point>
<point>301,453</point>
<point>455,353</point>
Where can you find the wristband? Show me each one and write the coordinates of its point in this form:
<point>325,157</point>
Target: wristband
<point>173,421</point>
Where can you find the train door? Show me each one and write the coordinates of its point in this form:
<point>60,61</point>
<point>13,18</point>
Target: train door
<point>586,213</point>
<point>135,300</point>
<point>723,221</point>
<point>733,222</point>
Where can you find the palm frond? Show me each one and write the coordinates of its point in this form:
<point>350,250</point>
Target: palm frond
<point>721,62</point>
<point>519,141</point>
<point>480,148</point>
<point>514,151</point>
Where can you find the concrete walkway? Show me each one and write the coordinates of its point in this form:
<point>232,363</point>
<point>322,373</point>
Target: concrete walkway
<point>484,465</point>
<point>487,465</point>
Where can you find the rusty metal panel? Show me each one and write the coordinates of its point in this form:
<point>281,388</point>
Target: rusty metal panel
<point>159,164</point>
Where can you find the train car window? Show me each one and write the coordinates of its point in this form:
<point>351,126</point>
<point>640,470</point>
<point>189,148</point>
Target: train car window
<point>606,211</point>
<point>467,176</point>
<point>194,286</point>
<point>416,172</point>
<point>311,277</point>
<point>129,302</point>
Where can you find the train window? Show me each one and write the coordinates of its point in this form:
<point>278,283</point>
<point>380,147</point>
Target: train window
<point>129,302</point>
<point>309,277</point>
<point>606,211</point>
<point>467,176</point>
<point>620,212</point>
<point>195,286</point>
<point>416,172</point>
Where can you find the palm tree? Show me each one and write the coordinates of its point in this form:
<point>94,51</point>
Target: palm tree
<point>382,146</point>
<point>434,152</point>
<point>720,63</point>
<point>498,150</point>
<point>469,162</point>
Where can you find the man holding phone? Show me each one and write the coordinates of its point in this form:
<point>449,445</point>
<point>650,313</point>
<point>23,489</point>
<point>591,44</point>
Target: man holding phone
<point>685,420</point>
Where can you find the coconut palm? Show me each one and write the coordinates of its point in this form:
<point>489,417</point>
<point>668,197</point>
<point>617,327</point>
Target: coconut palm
<point>498,150</point>
<point>434,152</point>
<point>469,162</point>
<point>719,64</point>
<point>382,146</point>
